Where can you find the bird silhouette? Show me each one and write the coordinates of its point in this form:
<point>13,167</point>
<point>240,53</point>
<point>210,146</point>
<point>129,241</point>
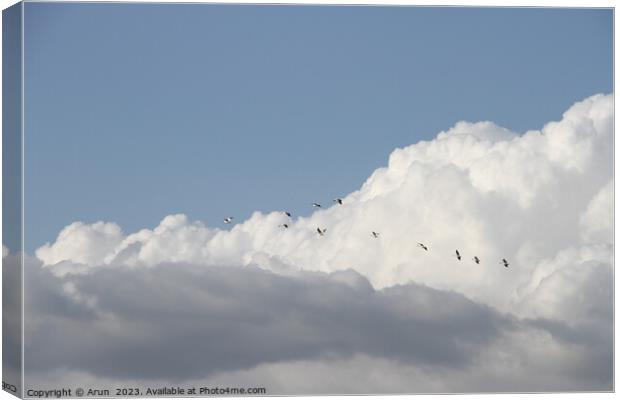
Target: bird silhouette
<point>476,260</point>
<point>458,255</point>
<point>505,262</point>
<point>321,231</point>
<point>375,234</point>
<point>228,220</point>
<point>317,205</point>
<point>339,201</point>
<point>422,246</point>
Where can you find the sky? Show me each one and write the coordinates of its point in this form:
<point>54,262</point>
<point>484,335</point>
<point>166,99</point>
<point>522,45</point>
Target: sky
<point>483,131</point>
<point>135,111</point>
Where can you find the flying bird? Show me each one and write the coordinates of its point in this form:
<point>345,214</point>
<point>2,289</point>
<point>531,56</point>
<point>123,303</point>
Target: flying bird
<point>321,231</point>
<point>476,260</point>
<point>228,220</point>
<point>458,255</point>
<point>422,246</point>
<point>339,201</point>
<point>317,205</point>
<point>285,226</point>
<point>375,234</point>
<point>288,214</point>
<point>505,262</point>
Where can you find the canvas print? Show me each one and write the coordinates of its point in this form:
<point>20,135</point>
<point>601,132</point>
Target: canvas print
<point>231,199</point>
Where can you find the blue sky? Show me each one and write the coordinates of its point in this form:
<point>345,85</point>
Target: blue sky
<point>137,111</point>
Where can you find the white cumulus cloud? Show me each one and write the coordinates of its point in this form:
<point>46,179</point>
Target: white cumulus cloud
<point>82,243</point>
<point>477,187</point>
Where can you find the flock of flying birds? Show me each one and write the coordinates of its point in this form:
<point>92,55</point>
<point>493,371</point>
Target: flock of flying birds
<point>374,234</point>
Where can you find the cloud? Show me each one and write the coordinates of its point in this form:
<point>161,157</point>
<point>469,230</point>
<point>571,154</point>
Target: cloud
<point>596,223</point>
<point>476,187</point>
<point>496,371</point>
<point>82,243</point>
<point>240,317</point>
<point>11,317</point>
<point>541,199</point>
<point>180,323</point>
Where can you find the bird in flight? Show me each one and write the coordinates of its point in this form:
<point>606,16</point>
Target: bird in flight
<point>288,214</point>
<point>339,201</point>
<point>422,246</point>
<point>285,226</point>
<point>458,255</point>
<point>321,231</point>
<point>228,220</point>
<point>505,262</point>
<point>476,260</point>
<point>317,205</point>
<point>375,234</point>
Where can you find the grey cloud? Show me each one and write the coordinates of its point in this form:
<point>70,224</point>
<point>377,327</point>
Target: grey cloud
<point>176,322</point>
<point>185,321</point>
<point>11,318</point>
